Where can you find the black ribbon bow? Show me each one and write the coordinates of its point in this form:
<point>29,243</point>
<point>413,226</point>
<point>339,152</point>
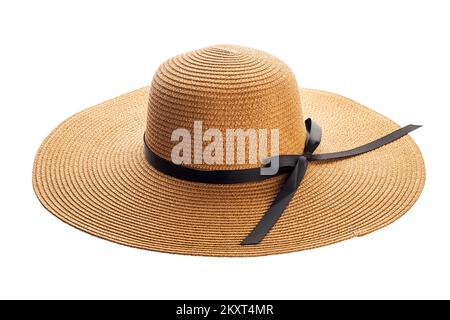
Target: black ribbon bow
<point>294,165</point>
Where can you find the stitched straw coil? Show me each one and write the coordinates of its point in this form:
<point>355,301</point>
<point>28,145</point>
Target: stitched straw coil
<point>225,87</point>
<point>91,172</point>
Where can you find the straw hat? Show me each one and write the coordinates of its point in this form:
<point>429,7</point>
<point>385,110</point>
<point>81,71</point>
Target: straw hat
<point>92,172</point>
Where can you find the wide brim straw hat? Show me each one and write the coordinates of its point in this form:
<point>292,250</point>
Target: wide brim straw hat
<point>92,173</point>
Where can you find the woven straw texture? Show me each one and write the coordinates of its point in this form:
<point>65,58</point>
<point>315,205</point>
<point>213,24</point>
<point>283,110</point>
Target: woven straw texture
<point>91,172</point>
<point>224,87</point>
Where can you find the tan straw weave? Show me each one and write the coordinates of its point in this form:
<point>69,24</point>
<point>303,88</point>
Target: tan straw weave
<point>91,171</point>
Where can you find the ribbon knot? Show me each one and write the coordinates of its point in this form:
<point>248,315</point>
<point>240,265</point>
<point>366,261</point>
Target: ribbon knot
<point>299,164</point>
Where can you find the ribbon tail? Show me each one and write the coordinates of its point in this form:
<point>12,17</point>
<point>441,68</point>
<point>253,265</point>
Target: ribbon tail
<point>279,204</point>
<point>397,134</point>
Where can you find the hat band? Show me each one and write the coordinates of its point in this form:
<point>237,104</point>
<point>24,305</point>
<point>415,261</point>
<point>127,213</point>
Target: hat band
<point>294,165</point>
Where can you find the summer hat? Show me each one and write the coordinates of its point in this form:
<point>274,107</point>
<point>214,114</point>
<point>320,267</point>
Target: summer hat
<point>343,170</point>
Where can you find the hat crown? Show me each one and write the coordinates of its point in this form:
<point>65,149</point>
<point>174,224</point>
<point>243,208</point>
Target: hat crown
<point>224,87</point>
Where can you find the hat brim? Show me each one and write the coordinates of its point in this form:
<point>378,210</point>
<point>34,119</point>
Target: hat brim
<point>91,173</point>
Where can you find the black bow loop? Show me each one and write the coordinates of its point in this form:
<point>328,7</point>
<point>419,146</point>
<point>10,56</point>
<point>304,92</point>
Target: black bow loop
<point>313,136</point>
<point>299,163</point>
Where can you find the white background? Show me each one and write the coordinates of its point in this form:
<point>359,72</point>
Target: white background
<point>57,58</point>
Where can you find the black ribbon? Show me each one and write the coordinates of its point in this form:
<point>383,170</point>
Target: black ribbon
<point>294,165</point>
